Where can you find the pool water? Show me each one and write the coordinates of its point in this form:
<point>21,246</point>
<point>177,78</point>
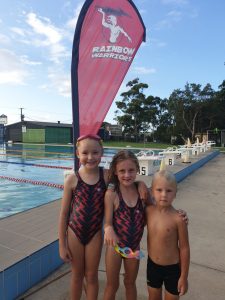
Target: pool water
<point>17,197</point>
<point>19,162</point>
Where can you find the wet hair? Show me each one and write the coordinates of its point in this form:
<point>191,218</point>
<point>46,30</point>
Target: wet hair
<point>94,137</point>
<point>169,176</point>
<point>117,158</point>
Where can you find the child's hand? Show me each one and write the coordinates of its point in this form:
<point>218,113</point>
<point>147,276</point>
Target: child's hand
<point>182,286</point>
<point>110,237</point>
<point>65,254</point>
<point>143,191</point>
<point>183,215</point>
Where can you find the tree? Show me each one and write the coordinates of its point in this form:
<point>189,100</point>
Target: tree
<point>138,111</point>
<point>186,106</point>
<point>217,116</point>
<point>165,122</point>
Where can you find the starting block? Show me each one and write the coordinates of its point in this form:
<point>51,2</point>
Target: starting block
<point>148,161</point>
<point>195,151</point>
<point>146,166</point>
<point>170,159</point>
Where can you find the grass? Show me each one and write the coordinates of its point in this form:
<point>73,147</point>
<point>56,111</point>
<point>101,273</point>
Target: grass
<point>140,145</point>
<point>221,149</point>
<point>136,145</point>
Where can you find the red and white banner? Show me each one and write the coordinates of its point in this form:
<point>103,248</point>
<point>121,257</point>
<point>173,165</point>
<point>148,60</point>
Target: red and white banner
<point>107,37</point>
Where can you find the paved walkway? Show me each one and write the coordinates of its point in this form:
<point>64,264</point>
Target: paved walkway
<point>202,196</point>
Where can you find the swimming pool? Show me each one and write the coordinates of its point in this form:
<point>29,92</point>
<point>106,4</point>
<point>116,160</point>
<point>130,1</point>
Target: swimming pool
<point>31,175</point>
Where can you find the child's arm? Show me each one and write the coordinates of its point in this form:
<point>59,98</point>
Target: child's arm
<point>63,218</point>
<point>142,189</point>
<point>143,192</point>
<point>110,237</point>
<point>106,175</point>
<point>184,256</point>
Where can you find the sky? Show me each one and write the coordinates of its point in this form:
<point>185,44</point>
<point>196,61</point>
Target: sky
<point>184,43</point>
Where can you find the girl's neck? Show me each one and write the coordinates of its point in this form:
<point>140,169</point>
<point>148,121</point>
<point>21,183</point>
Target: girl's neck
<point>90,172</point>
<point>129,194</point>
<point>127,189</point>
<point>89,176</point>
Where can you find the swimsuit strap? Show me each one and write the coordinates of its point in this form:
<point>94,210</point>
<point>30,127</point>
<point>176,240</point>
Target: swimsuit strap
<point>78,175</point>
<point>121,200</point>
<point>101,176</point>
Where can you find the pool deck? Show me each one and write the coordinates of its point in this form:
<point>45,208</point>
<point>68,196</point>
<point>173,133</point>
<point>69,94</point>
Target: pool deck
<point>201,195</point>
<point>24,233</point>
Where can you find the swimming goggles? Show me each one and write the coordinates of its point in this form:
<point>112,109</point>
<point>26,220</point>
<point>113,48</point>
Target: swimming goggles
<point>89,136</point>
<point>127,252</point>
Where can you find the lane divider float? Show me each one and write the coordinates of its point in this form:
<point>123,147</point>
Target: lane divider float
<point>35,182</point>
<point>36,165</point>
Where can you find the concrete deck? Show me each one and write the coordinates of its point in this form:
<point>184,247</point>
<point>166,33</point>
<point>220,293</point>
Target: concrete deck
<point>27,232</point>
<point>201,195</point>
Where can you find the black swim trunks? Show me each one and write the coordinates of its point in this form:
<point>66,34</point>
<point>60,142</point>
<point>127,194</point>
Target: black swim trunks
<point>169,275</point>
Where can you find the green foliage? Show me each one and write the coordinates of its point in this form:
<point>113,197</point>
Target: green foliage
<point>138,111</point>
<point>194,109</point>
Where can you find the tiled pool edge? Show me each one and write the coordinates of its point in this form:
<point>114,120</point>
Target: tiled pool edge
<point>18,278</point>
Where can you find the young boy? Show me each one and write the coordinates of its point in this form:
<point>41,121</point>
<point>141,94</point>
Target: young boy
<point>168,245</point>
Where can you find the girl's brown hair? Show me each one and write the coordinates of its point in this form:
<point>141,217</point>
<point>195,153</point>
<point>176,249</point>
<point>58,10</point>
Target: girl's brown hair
<point>119,157</point>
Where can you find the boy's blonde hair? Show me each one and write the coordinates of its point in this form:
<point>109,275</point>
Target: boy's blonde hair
<point>169,176</point>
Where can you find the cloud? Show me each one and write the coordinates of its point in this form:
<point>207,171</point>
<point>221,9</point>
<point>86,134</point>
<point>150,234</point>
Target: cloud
<point>19,31</point>
<point>72,22</point>
<point>48,36</point>
<point>172,17</point>
<point>12,70</point>
<point>59,82</point>
<point>24,59</point>
<point>175,15</point>
<point>143,70</point>
<point>4,39</point>
<point>143,11</point>
<point>43,27</point>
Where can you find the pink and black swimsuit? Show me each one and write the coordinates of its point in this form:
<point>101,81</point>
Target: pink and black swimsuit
<point>128,223</point>
<point>87,208</point>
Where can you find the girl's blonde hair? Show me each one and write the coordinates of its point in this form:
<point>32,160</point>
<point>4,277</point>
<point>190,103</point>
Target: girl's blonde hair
<point>117,158</point>
<point>94,137</point>
<point>169,176</point>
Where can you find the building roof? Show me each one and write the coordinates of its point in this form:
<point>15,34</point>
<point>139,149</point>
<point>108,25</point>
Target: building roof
<point>43,124</point>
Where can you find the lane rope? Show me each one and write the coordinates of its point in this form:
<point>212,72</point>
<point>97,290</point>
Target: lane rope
<point>36,157</point>
<point>38,151</point>
<point>35,182</point>
<point>36,165</point>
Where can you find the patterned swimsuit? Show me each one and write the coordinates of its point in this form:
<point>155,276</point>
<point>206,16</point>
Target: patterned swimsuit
<point>87,208</point>
<point>128,223</point>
